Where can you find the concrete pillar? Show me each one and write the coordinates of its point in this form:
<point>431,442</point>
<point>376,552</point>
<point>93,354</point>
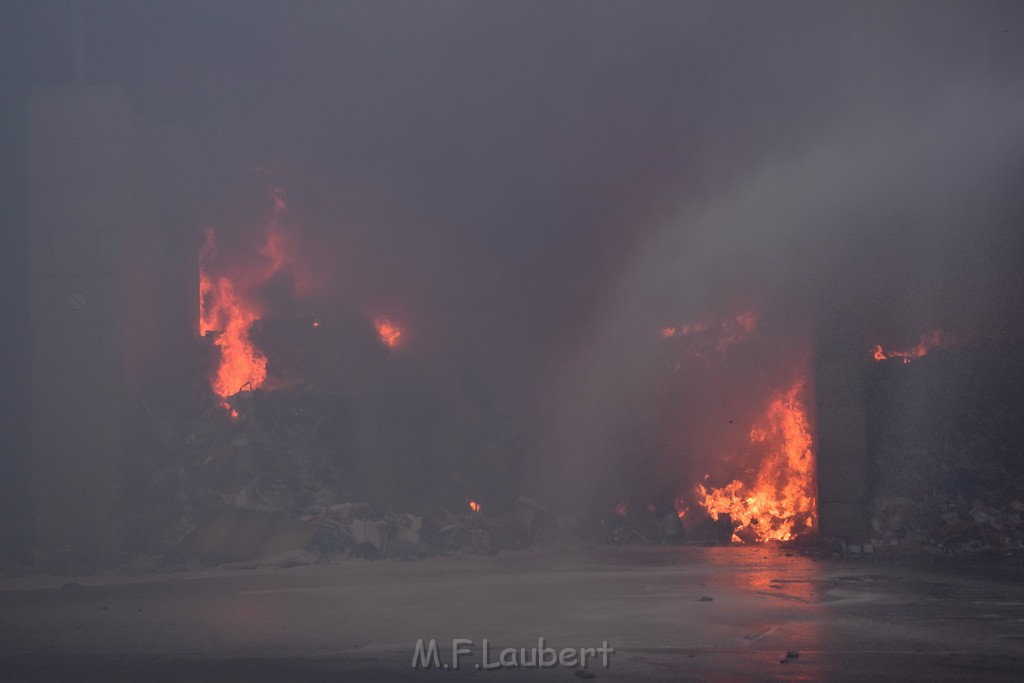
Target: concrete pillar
<point>840,364</point>
<point>79,143</point>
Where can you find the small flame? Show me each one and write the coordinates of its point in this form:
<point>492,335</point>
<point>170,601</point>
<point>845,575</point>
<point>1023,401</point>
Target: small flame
<point>684,330</point>
<point>725,333</point>
<point>388,332</point>
<point>473,505</point>
<point>316,323</point>
<point>929,341</point>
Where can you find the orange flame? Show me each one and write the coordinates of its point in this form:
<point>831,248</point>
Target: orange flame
<point>473,505</point>
<point>929,341</point>
<point>727,332</point>
<point>782,503</point>
<point>389,332</point>
<point>227,311</point>
<point>222,311</point>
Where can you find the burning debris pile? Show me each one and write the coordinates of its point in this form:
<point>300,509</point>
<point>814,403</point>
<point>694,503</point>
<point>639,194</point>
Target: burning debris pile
<point>258,473</point>
<point>272,463</point>
<point>760,484</point>
<point>773,501</point>
<point>780,504</point>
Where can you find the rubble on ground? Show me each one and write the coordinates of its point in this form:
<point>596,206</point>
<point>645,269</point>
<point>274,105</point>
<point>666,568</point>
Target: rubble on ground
<point>965,505</point>
<point>947,523</point>
<point>661,524</point>
<point>251,485</point>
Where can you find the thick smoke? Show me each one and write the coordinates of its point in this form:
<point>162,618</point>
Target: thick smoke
<point>887,223</point>
<point>534,190</point>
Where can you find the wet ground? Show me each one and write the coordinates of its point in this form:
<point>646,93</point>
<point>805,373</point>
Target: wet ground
<point>717,614</point>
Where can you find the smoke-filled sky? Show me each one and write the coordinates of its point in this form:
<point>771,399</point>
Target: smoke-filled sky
<point>536,188</point>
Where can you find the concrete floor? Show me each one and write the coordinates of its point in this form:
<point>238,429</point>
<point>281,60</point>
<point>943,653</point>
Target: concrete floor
<point>359,620</point>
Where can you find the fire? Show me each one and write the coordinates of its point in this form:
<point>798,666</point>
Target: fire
<point>684,330</point>
<point>737,329</point>
<point>781,503</point>
<point>725,333</point>
<point>227,309</point>
<point>225,313</point>
<point>621,509</point>
<point>473,505</point>
<point>929,341</point>
<point>388,332</point>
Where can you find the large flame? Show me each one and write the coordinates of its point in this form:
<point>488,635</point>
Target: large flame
<point>228,309</point>
<point>781,503</point>
<point>928,341</point>
<point>223,312</point>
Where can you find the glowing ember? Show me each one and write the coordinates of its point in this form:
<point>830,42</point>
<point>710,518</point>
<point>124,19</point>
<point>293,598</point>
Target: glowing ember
<point>224,312</point>
<point>621,510</point>
<point>781,503</point>
<point>316,323</point>
<point>933,339</point>
<point>737,330</point>
<point>684,330</point>
<point>389,332</point>
<point>473,505</point>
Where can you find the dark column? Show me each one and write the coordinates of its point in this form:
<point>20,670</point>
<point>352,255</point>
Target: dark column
<point>840,365</point>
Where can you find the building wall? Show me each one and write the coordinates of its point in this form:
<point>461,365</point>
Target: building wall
<point>79,156</point>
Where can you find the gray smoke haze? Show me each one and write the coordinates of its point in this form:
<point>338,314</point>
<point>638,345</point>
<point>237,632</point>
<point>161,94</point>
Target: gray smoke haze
<point>534,189</point>
<point>887,222</point>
